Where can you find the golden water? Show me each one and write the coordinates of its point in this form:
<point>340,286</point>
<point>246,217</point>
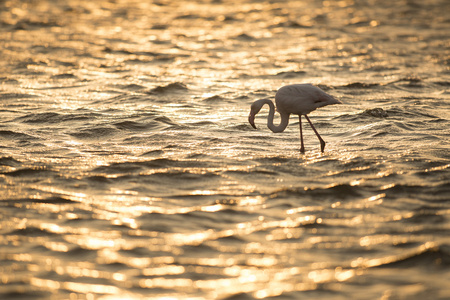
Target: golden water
<point>128,169</point>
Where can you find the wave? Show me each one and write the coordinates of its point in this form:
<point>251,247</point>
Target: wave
<point>45,200</point>
<point>290,24</point>
<point>13,135</point>
<point>159,163</point>
<point>203,124</point>
<point>95,133</point>
<point>402,115</point>
<point>80,252</point>
<point>359,85</point>
<point>435,258</point>
<point>290,74</point>
<point>153,153</point>
<point>215,98</point>
<point>241,296</point>
<point>131,87</point>
<point>65,76</point>
<point>414,84</point>
<point>244,37</point>
<point>436,192</point>
<point>241,127</point>
<point>376,112</point>
<point>121,168</point>
<point>171,87</point>
<point>7,96</point>
<point>279,75</point>
<point>53,117</point>
<point>157,123</point>
<point>128,165</point>
<point>341,191</point>
<point>30,172</point>
<point>9,161</point>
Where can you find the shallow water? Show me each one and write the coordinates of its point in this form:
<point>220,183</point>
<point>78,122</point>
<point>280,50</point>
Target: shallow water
<point>128,169</point>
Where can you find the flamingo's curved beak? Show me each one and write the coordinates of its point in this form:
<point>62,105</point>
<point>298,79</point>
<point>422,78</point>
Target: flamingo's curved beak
<point>251,119</point>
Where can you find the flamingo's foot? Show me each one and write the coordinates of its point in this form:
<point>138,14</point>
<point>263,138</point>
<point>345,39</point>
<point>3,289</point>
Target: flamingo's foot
<point>322,145</point>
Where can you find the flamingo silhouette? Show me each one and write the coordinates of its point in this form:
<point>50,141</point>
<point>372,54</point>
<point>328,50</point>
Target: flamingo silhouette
<point>299,99</point>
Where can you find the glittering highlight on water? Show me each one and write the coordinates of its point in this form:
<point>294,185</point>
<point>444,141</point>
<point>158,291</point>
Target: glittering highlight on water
<point>128,169</point>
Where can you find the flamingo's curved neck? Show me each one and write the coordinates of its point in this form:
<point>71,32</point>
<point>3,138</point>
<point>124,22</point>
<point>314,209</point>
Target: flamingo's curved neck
<point>284,118</point>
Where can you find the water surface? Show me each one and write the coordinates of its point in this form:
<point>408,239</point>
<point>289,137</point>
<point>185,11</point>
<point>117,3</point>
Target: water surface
<point>128,169</point>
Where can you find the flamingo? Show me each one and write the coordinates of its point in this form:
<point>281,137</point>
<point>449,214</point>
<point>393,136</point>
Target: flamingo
<point>299,99</point>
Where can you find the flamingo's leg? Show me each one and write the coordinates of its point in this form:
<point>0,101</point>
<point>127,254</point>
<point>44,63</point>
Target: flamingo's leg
<point>302,148</point>
<point>322,142</point>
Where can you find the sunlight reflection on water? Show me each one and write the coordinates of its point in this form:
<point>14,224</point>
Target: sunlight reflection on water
<point>128,169</point>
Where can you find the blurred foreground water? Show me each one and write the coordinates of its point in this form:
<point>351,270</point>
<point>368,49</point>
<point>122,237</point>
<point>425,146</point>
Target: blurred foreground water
<point>128,169</point>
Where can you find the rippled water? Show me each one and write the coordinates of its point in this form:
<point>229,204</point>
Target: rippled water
<point>128,169</point>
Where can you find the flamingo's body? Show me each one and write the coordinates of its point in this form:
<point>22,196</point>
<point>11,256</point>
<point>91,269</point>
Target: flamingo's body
<point>299,99</point>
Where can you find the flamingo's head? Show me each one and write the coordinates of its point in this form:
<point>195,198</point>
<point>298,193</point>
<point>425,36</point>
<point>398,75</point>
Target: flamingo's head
<point>254,109</point>
<point>251,119</point>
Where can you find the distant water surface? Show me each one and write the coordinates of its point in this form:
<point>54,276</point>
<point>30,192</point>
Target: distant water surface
<point>128,169</point>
